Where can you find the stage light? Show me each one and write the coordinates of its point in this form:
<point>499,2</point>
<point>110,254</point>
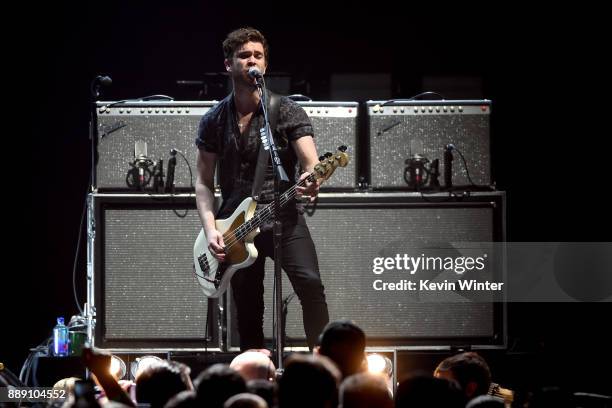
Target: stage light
<point>379,364</point>
<point>117,367</point>
<point>141,363</point>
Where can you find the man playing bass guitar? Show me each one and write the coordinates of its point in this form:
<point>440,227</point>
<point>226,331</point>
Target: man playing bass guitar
<point>230,134</point>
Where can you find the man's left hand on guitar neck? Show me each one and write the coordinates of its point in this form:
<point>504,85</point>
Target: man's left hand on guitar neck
<point>310,189</point>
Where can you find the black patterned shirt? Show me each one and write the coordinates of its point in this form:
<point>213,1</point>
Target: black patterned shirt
<point>218,133</point>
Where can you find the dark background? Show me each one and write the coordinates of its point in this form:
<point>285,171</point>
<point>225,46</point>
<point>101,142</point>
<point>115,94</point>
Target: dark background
<point>543,69</point>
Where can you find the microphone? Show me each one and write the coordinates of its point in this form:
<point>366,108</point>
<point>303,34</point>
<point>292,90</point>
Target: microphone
<point>448,165</point>
<point>255,73</point>
<point>170,174</point>
<point>141,161</point>
<point>104,80</point>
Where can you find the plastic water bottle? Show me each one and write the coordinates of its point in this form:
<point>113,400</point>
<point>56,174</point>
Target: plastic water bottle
<point>60,338</point>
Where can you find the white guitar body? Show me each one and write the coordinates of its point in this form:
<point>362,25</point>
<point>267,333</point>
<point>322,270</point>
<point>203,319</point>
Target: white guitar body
<point>213,277</point>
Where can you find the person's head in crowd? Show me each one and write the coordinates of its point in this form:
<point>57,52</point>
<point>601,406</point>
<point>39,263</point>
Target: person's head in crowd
<point>309,382</point>
<point>245,400</point>
<point>268,390</point>
<point>160,381</point>
<point>469,369</point>
<point>217,384</point>
<point>365,390</point>
<point>184,399</point>
<point>252,365</point>
<point>344,343</point>
<point>424,391</point>
<point>485,401</point>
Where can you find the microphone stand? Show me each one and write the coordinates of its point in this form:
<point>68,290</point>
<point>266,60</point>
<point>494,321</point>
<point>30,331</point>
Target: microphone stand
<point>279,174</point>
<point>93,131</point>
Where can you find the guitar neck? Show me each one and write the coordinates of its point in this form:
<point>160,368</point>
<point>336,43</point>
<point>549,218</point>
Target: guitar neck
<point>267,212</point>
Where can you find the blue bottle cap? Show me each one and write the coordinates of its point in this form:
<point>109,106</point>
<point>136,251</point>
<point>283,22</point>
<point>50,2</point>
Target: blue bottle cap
<point>60,320</point>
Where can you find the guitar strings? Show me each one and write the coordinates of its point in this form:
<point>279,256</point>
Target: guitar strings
<point>236,235</point>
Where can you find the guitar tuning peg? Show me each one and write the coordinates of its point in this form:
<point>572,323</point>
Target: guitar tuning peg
<point>321,158</point>
<point>328,154</point>
<point>342,148</point>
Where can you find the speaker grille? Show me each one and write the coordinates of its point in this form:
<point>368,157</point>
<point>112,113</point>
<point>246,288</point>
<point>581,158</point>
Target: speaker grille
<point>349,235</point>
<point>335,124</point>
<point>145,275</point>
<point>400,131</point>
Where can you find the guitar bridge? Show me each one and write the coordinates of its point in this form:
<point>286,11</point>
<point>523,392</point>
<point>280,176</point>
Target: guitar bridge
<point>219,275</point>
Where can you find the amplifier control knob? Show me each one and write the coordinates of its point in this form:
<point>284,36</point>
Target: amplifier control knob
<point>460,109</point>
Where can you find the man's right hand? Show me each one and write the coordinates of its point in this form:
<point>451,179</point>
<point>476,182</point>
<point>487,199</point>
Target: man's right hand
<point>216,246</point>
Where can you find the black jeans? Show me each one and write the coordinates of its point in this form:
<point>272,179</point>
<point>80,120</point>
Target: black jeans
<point>301,265</point>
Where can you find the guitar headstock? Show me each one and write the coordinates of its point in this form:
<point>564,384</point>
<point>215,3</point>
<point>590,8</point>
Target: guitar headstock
<point>329,162</point>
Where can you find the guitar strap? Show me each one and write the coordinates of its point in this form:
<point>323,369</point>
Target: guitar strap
<point>264,156</point>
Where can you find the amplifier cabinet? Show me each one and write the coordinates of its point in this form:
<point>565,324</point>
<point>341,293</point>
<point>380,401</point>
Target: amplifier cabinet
<point>144,293</point>
<point>351,229</point>
<point>399,130</point>
<point>162,126</point>
<point>141,282</point>
<point>335,124</point>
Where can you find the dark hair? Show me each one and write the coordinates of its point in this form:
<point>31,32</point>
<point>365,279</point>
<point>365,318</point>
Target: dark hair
<point>216,384</point>
<point>424,391</point>
<point>365,390</point>
<point>161,381</point>
<point>241,36</point>
<point>184,399</point>
<point>466,368</point>
<point>268,390</point>
<point>308,381</point>
<point>344,343</point>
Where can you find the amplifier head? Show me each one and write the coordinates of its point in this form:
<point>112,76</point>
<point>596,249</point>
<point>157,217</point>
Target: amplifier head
<point>400,130</point>
<point>152,129</point>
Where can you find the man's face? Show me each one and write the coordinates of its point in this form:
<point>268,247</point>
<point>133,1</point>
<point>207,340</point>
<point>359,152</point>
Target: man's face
<point>250,54</point>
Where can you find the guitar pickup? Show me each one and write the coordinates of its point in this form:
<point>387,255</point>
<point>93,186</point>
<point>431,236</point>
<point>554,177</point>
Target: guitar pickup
<point>203,261</point>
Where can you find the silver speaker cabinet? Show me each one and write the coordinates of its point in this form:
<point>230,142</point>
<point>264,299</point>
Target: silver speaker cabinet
<point>351,229</point>
<point>335,124</point>
<point>142,288</point>
<point>399,130</point>
<point>162,126</point>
